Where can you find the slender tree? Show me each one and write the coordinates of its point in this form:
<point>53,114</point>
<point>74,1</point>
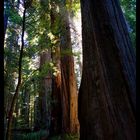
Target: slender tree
<point>12,107</point>
<point>107,95</point>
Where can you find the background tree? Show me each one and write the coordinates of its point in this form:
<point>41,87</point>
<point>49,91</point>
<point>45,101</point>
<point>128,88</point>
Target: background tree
<point>56,112</point>
<point>68,88</point>
<point>12,107</point>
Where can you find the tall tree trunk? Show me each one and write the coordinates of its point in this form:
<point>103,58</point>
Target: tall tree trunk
<point>68,87</point>
<point>107,92</point>
<point>46,78</point>
<point>64,90</point>
<point>56,112</point>
<point>45,91</point>
<point>56,98</point>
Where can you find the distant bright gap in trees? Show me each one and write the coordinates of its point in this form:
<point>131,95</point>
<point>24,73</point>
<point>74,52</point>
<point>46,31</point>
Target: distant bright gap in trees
<point>76,35</point>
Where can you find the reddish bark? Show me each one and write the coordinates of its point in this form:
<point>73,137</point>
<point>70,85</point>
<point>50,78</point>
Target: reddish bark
<point>107,92</point>
<point>68,87</point>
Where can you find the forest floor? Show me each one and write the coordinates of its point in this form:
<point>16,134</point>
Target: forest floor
<point>41,135</point>
<point>65,137</point>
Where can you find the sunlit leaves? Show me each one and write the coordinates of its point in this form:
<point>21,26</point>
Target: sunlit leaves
<point>48,68</point>
<point>73,6</point>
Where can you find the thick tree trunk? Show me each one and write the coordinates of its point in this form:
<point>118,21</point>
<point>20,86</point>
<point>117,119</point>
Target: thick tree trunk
<point>107,92</point>
<point>56,112</point>
<point>46,78</point>
<point>64,90</point>
<point>68,87</point>
<point>45,92</point>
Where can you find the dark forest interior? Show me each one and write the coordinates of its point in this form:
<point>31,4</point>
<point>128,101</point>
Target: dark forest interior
<point>69,69</point>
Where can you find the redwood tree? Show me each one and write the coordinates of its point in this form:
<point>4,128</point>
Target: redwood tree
<point>64,90</point>
<point>107,93</point>
<point>68,87</point>
<point>45,90</point>
<point>45,73</point>
<point>56,110</point>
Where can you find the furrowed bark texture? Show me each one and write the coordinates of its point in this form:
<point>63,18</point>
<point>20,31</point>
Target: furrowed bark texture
<point>45,92</point>
<point>68,88</point>
<point>56,112</point>
<point>46,78</point>
<point>56,123</point>
<point>107,94</point>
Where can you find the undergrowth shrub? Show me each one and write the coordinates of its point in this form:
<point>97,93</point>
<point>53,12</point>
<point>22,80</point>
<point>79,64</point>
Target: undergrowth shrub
<point>65,137</point>
<point>31,136</point>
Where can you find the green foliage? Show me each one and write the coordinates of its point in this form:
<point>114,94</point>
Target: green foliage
<point>46,68</point>
<point>12,13</point>
<point>66,52</point>
<point>75,7</point>
<point>129,10</point>
<point>15,17</point>
<point>32,136</point>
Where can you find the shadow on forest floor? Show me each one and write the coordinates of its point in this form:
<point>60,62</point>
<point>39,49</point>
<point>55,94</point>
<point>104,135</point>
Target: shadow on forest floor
<point>42,135</point>
<point>65,137</point>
